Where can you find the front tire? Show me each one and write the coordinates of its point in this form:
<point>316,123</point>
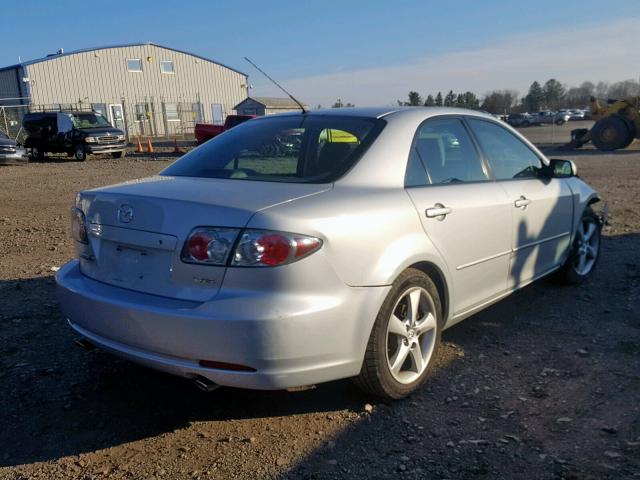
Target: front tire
<point>80,153</point>
<point>404,338</point>
<point>585,251</point>
<point>36,153</point>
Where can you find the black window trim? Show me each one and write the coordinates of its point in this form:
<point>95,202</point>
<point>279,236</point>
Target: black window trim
<point>483,162</point>
<point>486,160</point>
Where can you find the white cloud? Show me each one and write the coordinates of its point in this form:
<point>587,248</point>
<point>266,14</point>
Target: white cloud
<point>604,52</point>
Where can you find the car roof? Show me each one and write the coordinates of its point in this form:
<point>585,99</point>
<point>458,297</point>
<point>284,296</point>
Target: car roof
<point>380,112</point>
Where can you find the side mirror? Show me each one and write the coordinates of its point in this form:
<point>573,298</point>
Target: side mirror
<point>561,168</point>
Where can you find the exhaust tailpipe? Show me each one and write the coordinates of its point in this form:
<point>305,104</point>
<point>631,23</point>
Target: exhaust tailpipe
<point>85,344</point>
<point>205,384</point>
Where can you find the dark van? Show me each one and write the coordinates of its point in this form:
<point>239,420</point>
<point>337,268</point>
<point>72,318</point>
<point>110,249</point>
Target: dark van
<point>75,133</point>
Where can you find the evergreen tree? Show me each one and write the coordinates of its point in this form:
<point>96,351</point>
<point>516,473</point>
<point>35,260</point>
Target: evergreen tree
<point>415,99</point>
<point>535,98</point>
<point>460,101</point>
<point>471,101</point>
<point>429,102</point>
<point>450,99</point>
<point>439,99</point>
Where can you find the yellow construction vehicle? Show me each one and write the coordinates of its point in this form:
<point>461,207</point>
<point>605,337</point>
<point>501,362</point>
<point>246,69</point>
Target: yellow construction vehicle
<point>617,124</point>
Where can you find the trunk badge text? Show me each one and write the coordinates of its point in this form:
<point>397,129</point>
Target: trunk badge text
<point>125,213</point>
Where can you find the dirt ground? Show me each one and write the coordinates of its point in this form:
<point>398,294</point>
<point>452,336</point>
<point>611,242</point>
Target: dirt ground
<point>545,384</point>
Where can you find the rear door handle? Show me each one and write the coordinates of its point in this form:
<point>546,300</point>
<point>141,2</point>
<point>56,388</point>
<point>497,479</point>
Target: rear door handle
<point>522,202</point>
<point>438,210</point>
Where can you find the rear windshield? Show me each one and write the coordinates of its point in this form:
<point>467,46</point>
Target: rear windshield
<point>296,148</point>
<point>89,120</point>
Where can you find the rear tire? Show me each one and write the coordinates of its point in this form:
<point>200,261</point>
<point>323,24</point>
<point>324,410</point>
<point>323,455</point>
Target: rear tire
<point>585,251</point>
<point>559,122</point>
<point>80,153</point>
<point>611,133</point>
<point>404,339</point>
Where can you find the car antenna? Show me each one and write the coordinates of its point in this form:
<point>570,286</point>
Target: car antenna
<point>304,110</point>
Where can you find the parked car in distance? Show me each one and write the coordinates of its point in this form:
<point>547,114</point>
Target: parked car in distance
<point>206,131</point>
<point>576,115</point>
<point>10,151</point>
<point>547,116</point>
<point>519,119</point>
<point>76,133</point>
<point>345,257</point>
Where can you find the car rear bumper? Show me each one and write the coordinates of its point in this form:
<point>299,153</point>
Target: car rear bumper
<point>289,341</point>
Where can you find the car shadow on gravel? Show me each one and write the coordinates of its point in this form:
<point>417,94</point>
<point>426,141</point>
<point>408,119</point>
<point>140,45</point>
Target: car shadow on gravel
<point>58,400</point>
<point>542,385</point>
<point>490,408</point>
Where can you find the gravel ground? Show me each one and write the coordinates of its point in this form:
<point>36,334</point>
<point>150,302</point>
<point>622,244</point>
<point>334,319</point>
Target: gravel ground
<point>543,385</point>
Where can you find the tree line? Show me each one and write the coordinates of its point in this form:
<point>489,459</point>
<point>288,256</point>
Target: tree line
<point>551,95</point>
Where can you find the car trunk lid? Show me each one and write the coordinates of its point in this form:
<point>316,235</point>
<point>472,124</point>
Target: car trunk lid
<point>137,229</point>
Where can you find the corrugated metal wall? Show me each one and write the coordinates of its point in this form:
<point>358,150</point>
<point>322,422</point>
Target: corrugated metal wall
<point>101,76</point>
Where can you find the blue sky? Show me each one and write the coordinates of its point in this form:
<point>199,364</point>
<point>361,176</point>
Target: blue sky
<point>325,49</point>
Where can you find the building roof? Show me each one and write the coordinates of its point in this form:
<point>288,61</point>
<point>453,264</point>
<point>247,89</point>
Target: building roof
<point>84,50</point>
<point>273,102</point>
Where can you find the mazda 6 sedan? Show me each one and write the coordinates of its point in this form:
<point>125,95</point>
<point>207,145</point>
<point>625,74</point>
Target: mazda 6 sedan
<point>345,255</point>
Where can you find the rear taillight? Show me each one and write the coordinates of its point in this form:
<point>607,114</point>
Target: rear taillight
<point>264,248</point>
<point>254,248</point>
<point>78,226</point>
<point>209,245</point>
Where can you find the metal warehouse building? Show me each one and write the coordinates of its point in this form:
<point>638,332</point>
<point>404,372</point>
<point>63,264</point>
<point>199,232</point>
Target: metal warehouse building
<point>145,89</point>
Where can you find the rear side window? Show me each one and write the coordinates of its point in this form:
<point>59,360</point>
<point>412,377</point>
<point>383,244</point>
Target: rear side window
<point>446,153</point>
<point>508,156</point>
<point>296,148</point>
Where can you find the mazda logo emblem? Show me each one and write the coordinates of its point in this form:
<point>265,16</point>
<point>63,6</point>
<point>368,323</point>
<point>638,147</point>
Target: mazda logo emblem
<point>125,213</point>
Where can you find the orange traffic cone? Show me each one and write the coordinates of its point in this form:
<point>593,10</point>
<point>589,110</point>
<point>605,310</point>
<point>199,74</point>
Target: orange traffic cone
<point>139,146</point>
<point>149,145</point>
<point>176,149</point>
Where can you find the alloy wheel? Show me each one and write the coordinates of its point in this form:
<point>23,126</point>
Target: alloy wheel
<point>411,335</point>
<point>588,246</point>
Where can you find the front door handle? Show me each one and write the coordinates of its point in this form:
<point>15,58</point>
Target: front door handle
<point>438,210</point>
<point>522,202</point>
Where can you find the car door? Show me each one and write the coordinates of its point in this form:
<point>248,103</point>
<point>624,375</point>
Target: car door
<point>541,207</point>
<point>465,215</point>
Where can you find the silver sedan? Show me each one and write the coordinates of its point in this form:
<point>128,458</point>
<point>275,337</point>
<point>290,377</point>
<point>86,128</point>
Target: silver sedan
<point>308,247</point>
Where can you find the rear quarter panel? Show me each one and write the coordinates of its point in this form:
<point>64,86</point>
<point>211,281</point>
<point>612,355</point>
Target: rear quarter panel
<point>370,235</point>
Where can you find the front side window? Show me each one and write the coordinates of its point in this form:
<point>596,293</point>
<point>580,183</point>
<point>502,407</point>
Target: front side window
<point>166,66</point>
<point>508,156</point>
<point>89,120</point>
<point>446,152</point>
<point>134,65</point>
<point>297,148</point>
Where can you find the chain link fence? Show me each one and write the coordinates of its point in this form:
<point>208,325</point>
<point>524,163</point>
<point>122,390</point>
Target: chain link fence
<point>145,117</point>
